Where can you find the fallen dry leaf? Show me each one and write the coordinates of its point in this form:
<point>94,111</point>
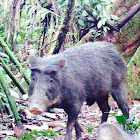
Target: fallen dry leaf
<point>27,113</point>
<point>55,124</point>
<point>18,131</point>
<point>50,115</point>
<point>35,127</point>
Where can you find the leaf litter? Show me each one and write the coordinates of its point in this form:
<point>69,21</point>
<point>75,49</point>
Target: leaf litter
<point>49,122</point>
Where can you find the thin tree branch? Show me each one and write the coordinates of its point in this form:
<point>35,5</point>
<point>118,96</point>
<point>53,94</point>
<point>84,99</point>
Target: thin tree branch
<point>65,27</point>
<point>127,17</point>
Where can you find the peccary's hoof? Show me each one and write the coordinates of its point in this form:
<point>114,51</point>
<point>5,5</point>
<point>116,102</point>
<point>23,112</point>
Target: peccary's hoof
<point>36,110</point>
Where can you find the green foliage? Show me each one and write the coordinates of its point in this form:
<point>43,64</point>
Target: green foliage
<point>121,119</point>
<point>34,13</point>
<point>31,23</point>
<point>2,31</point>
<point>3,98</point>
<point>89,127</point>
<point>32,135</point>
<point>4,102</point>
<point>131,125</point>
<point>99,9</point>
<point>1,19</point>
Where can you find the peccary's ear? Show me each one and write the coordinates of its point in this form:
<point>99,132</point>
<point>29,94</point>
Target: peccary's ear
<point>32,60</point>
<point>62,63</point>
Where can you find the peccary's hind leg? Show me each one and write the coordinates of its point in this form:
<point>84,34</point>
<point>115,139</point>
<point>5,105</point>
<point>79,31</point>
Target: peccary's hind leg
<point>120,96</point>
<point>102,102</point>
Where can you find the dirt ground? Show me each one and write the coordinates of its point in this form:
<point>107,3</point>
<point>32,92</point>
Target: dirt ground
<point>89,119</point>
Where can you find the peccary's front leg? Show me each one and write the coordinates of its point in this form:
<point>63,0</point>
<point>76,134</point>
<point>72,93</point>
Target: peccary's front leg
<point>73,112</point>
<point>78,130</point>
<point>70,125</point>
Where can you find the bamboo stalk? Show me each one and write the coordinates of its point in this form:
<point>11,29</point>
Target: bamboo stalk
<point>11,75</point>
<point>14,60</point>
<point>10,99</point>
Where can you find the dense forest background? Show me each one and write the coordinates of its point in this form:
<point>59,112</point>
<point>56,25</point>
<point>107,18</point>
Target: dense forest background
<point>42,28</point>
<point>47,27</point>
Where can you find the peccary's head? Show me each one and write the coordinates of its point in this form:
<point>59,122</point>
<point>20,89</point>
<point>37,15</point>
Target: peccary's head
<point>44,90</point>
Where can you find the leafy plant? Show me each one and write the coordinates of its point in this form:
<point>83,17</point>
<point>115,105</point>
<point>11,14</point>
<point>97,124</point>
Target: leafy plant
<point>32,17</point>
<point>4,102</point>
<point>99,10</point>
<point>32,135</point>
<point>89,127</point>
<point>131,125</point>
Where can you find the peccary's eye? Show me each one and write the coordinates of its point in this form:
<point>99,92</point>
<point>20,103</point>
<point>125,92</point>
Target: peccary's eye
<point>51,80</point>
<point>33,78</point>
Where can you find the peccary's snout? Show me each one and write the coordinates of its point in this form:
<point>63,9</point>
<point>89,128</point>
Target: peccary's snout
<point>36,110</point>
<point>38,100</point>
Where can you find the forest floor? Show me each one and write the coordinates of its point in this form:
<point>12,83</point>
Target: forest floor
<point>89,119</point>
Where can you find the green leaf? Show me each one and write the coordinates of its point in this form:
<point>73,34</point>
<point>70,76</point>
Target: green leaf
<point>138,125</point>
<point>18,39</point>
<point>99,25</point>
<point>62,1</point>
<point>94,13</point>
<point>5,60</point>
<point>94,5</point>
<point>105,29</point>
<point>114,17</point>
<point>89,126</point>
<point>45,4</point>
<point>81,1</point>
<point>99,7</point>
<point>22,34</point>
<point>38,31</point>
<point>23,15</point>
<point>80,21</point>
<point>121,119</point>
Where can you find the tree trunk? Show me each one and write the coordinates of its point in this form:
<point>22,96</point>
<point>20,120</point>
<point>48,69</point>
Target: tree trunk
<point>133,76</point>
<point>16,21</point>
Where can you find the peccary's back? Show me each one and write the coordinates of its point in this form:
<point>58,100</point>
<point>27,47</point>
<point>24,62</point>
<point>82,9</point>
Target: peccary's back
<point>90,68</point>
<point>95,66</point>
<point>94,56</point>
